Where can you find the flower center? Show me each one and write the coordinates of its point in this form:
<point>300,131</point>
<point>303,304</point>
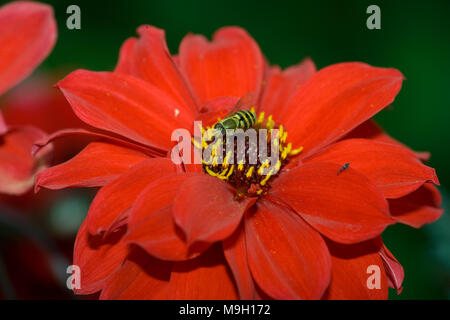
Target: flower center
<point>251,163</point>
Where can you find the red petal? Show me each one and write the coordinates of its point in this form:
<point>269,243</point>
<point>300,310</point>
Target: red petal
<point>335,100</point>
<point>92,136</point>
<point>95,166</point>
<point>204,278</point>
<point>419,207</point>
<point>231,65</point>
<point>394,269</point>
<point>97,258</point>
<point>393,168</point>
<point>220,104</point>
<point>215,109</point>
<point>126,106</point>
<point>370,130</point>
<point>235,250</point>
<point>345,207</point>
<point>26,38</point>
<point>206,210</point>
<point>281,85</point>
<point>350,273</point>
<point>111,204</point>
<point>3,127</point>
<point>141,277</point>
<point>151,224</point>
<point>287,258</point>
<point>18,167</point>
<point>125,63</point>
<point>153,63</point>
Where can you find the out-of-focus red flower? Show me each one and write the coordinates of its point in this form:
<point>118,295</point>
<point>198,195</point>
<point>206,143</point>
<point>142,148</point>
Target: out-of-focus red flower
<point>17,166</point>
<point>26,38</point>
<point>157,230</point>
<point>36,103</point>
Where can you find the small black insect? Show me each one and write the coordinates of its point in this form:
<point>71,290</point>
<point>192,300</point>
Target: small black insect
<point>343,168</point>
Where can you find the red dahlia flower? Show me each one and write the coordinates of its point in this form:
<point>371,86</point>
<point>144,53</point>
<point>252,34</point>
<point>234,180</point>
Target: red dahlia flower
<point>27,36</point>
<point>157,230</point>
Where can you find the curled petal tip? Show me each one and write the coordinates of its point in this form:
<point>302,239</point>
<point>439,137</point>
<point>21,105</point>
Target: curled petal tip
<point>37,187</point>
<point>38,145</point>
<point>435,179</point>
<point>35,148</point>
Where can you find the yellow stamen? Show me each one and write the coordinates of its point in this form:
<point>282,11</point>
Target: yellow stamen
<point>227,158</point>
<point>211,172</point>
<point>260,118</point>
<point>230,171</point>
<point>214,161</point>
<point>267,177</point>
<point>289,147</point>
<point>223,172</point>
<point>240,165</point>
<point>249,172</point>
<point>206,162</point>
<point>270,123</point>
<point>265,164</point>
<point>204,144</point>
<point>296,151</point>
<point>284,153</point>
<point>284,137</point>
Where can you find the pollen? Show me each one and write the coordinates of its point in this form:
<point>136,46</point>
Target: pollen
<point>250,179</point>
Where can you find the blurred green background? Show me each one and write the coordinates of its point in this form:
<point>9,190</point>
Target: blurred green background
<point>414,38</point>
